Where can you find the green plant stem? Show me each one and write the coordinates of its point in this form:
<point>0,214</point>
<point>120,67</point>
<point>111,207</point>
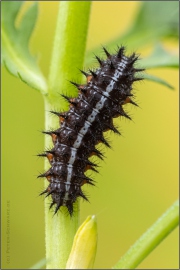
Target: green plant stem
<point>68,51</point>
<point>69,45</point>
<point>150,239</point>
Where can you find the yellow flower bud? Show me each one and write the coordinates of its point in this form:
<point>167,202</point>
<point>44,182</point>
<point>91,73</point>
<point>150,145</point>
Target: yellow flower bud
<point>83,251</point>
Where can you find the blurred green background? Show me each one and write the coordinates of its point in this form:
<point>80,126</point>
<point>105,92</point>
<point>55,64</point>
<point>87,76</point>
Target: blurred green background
<point>138,180</point>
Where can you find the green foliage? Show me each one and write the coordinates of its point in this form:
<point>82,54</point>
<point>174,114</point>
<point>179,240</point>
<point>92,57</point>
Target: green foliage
<point>160,58</point>
<point>157,80</point>
<point>153,14</point>
<point>149,27</point>
<point>150,239</point>
<point>15,42</point>
<point>18,60</point>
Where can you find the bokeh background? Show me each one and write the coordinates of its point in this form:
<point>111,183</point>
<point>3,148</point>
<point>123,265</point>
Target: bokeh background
<point>138,180</point>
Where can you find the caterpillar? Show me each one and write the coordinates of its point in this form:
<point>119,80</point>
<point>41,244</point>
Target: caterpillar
<point>90,114</point>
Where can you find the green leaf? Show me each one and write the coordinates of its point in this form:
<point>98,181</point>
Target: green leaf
<point>159,19</point>
<point>154,21</point>
<point>158,59</point>
<point>150,239</point>
<point>15,41</point>
<point>161,58</point>
<point>157,80</point>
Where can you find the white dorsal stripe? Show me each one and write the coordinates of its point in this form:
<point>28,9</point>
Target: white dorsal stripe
<point>92,116</point>
<point>69,172</point>
<point>106,94</point>
<point>85,127</point>
<point>110,86</point>
<point>73,155</point>
<point>67,183</point>
<point>66,197</point>
<point>90,119</point>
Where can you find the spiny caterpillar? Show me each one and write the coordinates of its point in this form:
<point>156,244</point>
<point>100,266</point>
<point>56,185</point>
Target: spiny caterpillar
<point>101,99</point>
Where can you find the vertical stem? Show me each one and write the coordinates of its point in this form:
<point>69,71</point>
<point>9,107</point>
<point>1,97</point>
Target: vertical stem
<point>60,228</point>
<point>69,45</point>
<point>67,56</point>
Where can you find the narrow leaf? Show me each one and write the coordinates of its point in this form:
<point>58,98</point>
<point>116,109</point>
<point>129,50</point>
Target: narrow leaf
<point>160,19</point>
<point>15,42</point>
<point>150,239</point>
<point>154,21</point>
<point>161,58</point>
<point>157,80</point>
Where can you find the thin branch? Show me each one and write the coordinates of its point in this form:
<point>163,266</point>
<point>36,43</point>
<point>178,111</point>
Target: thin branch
<point>150,239</point>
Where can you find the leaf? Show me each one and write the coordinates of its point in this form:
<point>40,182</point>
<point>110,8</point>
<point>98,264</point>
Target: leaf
<point>161,58</point>
<point>150,239</point>
<point>154,21</point>
<point>158,59</point>
<point>157,80</point>
<point>15,41</point>
<point>160,19</point>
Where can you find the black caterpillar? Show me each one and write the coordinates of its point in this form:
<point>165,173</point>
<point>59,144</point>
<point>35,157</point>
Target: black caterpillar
<point>108,88</point>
